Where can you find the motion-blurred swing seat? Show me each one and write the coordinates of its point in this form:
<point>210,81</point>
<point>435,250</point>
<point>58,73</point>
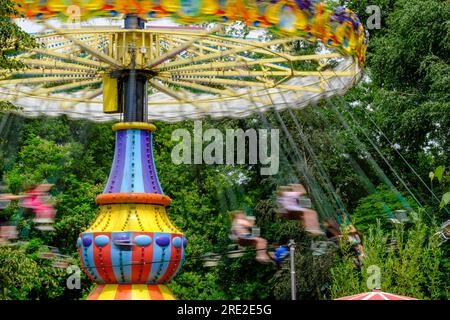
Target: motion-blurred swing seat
<point>311,222</point>
<point>291,215</point>
<point>8,233</point>
<point>235,251</point>
<point>246,242</point>
<point>211,259</point>
<point>243,240</point>
<point>294,205</point>
<point>45,228</point>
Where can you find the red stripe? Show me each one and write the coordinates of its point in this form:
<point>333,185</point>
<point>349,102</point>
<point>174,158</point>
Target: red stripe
<point>377,296</point>
<point>102,259</point>
<point>397,297</point>
<point>96,293</point>
<point>142,264</point>
<point>149,198</point>
<point>352,297</point>
<point>123,292</point>
<point>175,258</point>
<point>155,293</point>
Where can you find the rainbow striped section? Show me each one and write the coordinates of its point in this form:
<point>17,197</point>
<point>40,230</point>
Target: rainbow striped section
<point>155,260</point>
<point>131,292</point>
<point>133,168</point>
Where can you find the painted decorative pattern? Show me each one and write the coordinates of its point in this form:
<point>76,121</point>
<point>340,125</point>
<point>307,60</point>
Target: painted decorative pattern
<point>132,249</point>
<point>133,217</point>
<point>132,169</point>
<point>131,257</point>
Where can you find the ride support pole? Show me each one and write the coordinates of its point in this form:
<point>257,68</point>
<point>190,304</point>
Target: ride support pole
<point>134,82</point>
<point>292,267</point>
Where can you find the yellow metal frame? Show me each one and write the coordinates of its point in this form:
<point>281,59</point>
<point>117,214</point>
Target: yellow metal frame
<point>181,62</point>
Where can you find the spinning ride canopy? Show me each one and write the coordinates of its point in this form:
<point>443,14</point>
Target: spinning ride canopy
<point>187,72</point>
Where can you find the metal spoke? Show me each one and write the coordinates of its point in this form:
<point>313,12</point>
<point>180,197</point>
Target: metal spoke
<point>253,74</point>
<point>180,49</point>
<point>221,54</point>
<point>166,90</point>
<point>80,60</point>
<point>55,64</point>
<point>66,87</point>
<point>100,55</point>
<point>40,80</point>
<point>241,83</point>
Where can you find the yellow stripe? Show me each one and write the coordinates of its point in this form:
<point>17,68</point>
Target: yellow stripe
<point>109,292</point>
<point>139,292</point>
<point>166,293</point>
<point>134,125</point>
<point>148,215</point>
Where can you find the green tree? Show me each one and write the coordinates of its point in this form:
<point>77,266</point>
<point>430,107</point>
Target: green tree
<point>412,265</point>
<point>18,274</point>
<point>380,206</point>
<point>13,39</point>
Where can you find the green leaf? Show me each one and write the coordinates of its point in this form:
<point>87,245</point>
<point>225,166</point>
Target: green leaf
<point>445,200</point>
<point>439,172</point>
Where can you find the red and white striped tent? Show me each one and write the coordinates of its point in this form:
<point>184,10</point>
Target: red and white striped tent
<point>376,295</point>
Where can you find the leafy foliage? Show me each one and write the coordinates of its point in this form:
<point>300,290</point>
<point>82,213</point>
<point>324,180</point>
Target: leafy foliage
<point>379,206</point>
<point>443,177</point>
<point>12,38</point>
<point>414,265</point>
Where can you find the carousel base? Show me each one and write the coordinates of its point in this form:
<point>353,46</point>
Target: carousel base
<point>131,292</point>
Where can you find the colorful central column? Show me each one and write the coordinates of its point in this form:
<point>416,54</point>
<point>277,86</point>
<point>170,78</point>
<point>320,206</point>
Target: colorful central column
<point>132,249</point>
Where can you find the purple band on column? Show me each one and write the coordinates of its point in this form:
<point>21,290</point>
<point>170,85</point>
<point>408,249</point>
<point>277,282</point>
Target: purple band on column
<point>144,161</point>
<point>151,163</point>
<point>116,175</point>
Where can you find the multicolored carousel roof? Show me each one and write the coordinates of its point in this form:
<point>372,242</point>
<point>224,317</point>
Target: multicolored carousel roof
<point>313,20</point>
<point>192,73</point>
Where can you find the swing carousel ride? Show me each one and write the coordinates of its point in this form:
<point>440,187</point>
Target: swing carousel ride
<point>138,73</point>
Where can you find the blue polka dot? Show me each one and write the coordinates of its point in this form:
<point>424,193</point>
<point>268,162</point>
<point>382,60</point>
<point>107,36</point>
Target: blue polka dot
<point>101,240</point>
<point>143,240</point>
<point>87,241</point>
<point>163,241</point>
<point>177,242</point>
